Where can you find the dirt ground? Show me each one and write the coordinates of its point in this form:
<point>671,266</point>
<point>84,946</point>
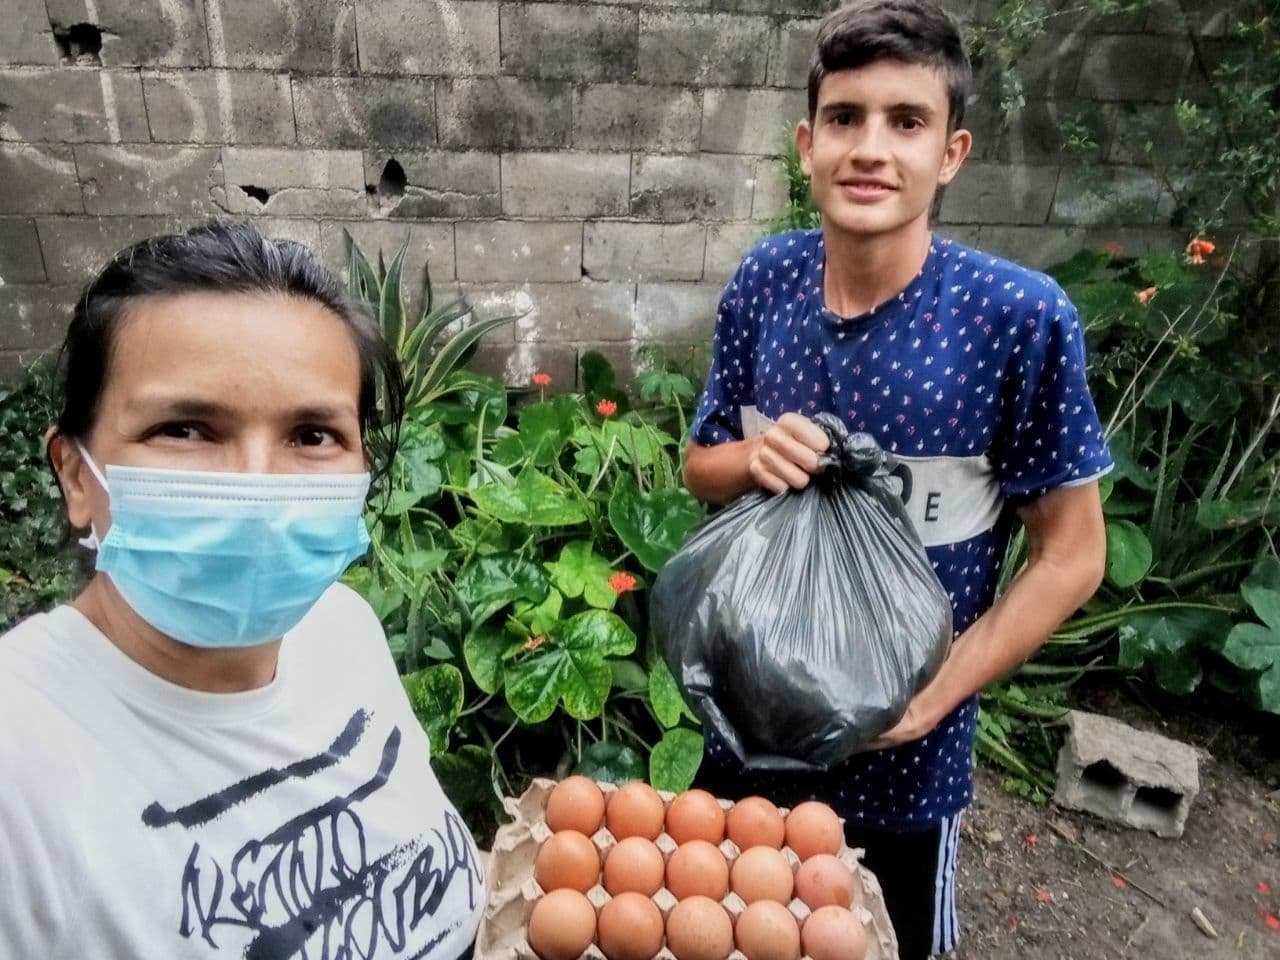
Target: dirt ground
<point>1026,890</point>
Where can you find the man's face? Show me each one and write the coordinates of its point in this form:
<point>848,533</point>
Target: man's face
<point>878,148</point>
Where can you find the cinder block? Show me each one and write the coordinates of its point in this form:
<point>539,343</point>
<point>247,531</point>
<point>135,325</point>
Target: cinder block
<point>772,190</point>
<point>1033,134</point>
<point>438,183</point>
<point>302,36</point>
<point>559,312</point>
<point>676,311</point>
<point>294,229</point>
<point>442,39</point>
<point>27,37</point>
<point>750,121</point>
<point>149,179</point>
<point>507,250</point>
<point>1000,193</point>
<point>793,8</point>
<point>1141,132</point>
<point>703,48</point>
<point>1106,195</point>
<point>141,33</point>
<point>565,184</point>
<point>563,41</point>
<point>219,106</point>
<point>1138,779</point>
<point>515,364</point>
<point>295,182</point>
<point>72,106</point>
<point>505,113</point>
<point>76,248</point>
<point>35,315</point>
<point>688,188</point>
<point>1042,247</point>
<point>609,116</point>
<point>39,179</point>
<point>1052,66</point>
<point>430,248</point>
<point>727,245</point>
<point>365,112</point>
<point>789,52</point>
<point>650,251</point>
<point>20,259</point>
<point>1134,67</point>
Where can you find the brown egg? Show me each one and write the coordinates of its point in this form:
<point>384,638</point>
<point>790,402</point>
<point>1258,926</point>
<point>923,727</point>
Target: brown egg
<point>824,880</point>
<point>567,860</point>
<point>635,810</point>
<point>755,822</point>
<point>575,803</point>
<point>698,928</point>
<point>762,873</point>
<point>629,928</point>
<point>635,865</point>
<point>562,925</point>
<point>814,828</point>
<point>697,869</point>
<point>834,933</point>
<point>767,931</point>
<point>695,815</point>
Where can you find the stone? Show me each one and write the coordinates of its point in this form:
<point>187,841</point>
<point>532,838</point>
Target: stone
<point>441,39</point>
<point>450,184</point>
<point>505,113</point>
<point>565,184</point>
<point>1127,776</point>
<point>704,49</point>
<point>727,245</point>
<point>1134,67</point>
<point>219,106</point>
<point>142,179</point>
<point>39,179</point>
<point>560,312</point>
<point>771,192</point>
<point>751,121</point>
<point>76,248</point>
<point>643,251</point>
<point>35,315</point>
<point>286,182</point>
<point>1106,195</point>
<point>709,187</point>
<point>365,112</point>
<point>676,311</point>
<point>27,37</point>
<point>569,41</point>
<point>789,52</point>
<point>151,33</point>
<point>999,193</point>
<point>610,116</point>
<point>430,248</point>
<point>513,251</point>
<point>20,257</point>
<point>72,106</point>
<point>302,36</point>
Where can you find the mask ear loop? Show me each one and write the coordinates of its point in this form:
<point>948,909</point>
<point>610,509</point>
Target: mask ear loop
<point>92,542</point>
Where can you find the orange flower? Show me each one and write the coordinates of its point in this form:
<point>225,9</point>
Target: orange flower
<point>1272,920</point>
<point>542,379</point>
<point>622,582</point>
<point>1264,887</point>
<point>1044,896</point>
<point>1145,296</point>
<point>1031,839</point>
<point>1118,883</point>
<point>606,408</point>
<point>1114,248</point>
<point>533,643</point>
<point>1198,249</point>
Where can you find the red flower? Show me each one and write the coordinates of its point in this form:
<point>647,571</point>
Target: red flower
<point>542,379</point>
<point>1198,249</point>
<point>606,408</point>
<point>1119,883</point>
<point>1113,247</point>
<point>1145,296</point>
<point>622,582</point>
<point>1264,887</point>
<point>1044,896</point>
<point>1031,839</point>
<point>1272,920</point>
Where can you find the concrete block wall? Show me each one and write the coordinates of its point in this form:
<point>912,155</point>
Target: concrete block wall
<point>602,165</point>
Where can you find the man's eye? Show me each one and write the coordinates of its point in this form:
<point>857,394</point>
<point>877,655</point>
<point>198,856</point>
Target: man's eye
<point>911,123</point>
<point>842,119</point>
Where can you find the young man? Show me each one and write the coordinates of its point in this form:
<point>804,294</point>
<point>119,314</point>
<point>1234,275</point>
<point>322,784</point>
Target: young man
<point>969,368</point>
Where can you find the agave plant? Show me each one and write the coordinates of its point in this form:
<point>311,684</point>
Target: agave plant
<point>426,366</point>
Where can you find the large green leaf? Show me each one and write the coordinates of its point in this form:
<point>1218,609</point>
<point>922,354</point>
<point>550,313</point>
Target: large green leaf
<point>436,697</point>
<point>535,500</point>
<point>581,572</point>
<point>664,696</point>
<point>484,649</point>
<point>391,308</point>
<point>675,760</point>
<point>1128,553</point>
<point>1204,394</point>
<point>546,427</point>
<point>1169,641</point>
<point>629,676</point>
<point>1083,266</point>
<point>611,762</point>
<point>1229,514</point>
<point>652,525</point>
<point>569,668</point>
<point>466,776</point>
<point>1254,646</point>
<point>489,583</point>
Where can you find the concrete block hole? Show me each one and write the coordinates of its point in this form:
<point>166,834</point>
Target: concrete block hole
<point>392,182</point>
<point>261,194</point>
<point>1103,777</point>
<point>80,44</point>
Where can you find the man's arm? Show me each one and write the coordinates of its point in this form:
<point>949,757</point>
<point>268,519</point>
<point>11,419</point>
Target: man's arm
<point>1067,547</point>
<point>784,456</point>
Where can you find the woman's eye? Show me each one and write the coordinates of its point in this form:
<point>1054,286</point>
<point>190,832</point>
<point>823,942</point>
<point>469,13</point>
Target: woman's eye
<point>178,431</point>
<point>315,437</point>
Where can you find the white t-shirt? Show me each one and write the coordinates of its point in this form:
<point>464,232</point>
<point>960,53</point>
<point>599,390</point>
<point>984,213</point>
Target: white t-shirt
<point>140,819</point>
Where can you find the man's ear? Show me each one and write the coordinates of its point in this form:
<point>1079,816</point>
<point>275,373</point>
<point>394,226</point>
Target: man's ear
<point>958,146</point>
<point>804,145</point>
<point>73,477</point>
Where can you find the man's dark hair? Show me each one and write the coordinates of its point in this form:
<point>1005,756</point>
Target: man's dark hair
<point>219,257</point>
<point>909,31</point>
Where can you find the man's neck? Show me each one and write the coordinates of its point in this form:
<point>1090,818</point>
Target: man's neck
<point>863,272</point>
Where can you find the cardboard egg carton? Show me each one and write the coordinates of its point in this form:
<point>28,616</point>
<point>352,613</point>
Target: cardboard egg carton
<point>512,890</point>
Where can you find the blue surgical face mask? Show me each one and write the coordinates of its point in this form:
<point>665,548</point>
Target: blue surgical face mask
<point>227,559</point>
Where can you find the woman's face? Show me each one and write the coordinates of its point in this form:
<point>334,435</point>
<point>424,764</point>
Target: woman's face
<point>226,382</point>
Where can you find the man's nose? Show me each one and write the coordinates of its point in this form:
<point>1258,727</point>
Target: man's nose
<point>870,146</point>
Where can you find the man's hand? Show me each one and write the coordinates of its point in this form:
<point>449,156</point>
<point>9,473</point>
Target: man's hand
<point>786,455</point>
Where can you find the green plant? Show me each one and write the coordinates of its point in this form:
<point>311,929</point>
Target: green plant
<point>802,212</point>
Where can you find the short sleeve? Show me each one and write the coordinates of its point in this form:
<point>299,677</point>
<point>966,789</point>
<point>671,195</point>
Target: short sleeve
<point>1050,434</point>
<point>731,379</point>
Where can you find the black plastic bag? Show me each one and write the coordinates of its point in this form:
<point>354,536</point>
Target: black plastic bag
<point>799,626</point>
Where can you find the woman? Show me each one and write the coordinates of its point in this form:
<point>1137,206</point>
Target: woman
<point>208,753</point>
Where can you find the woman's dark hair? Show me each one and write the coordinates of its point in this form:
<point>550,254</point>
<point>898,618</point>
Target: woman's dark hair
<point>908,31</point>
<point>220,257</point>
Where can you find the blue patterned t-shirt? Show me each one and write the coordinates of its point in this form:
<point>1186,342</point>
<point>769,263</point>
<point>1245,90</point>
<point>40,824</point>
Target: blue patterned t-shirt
<point>974,377</point>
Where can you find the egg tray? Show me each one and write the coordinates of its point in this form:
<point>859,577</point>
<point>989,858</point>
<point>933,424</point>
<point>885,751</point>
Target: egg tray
<point>512,890</point>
